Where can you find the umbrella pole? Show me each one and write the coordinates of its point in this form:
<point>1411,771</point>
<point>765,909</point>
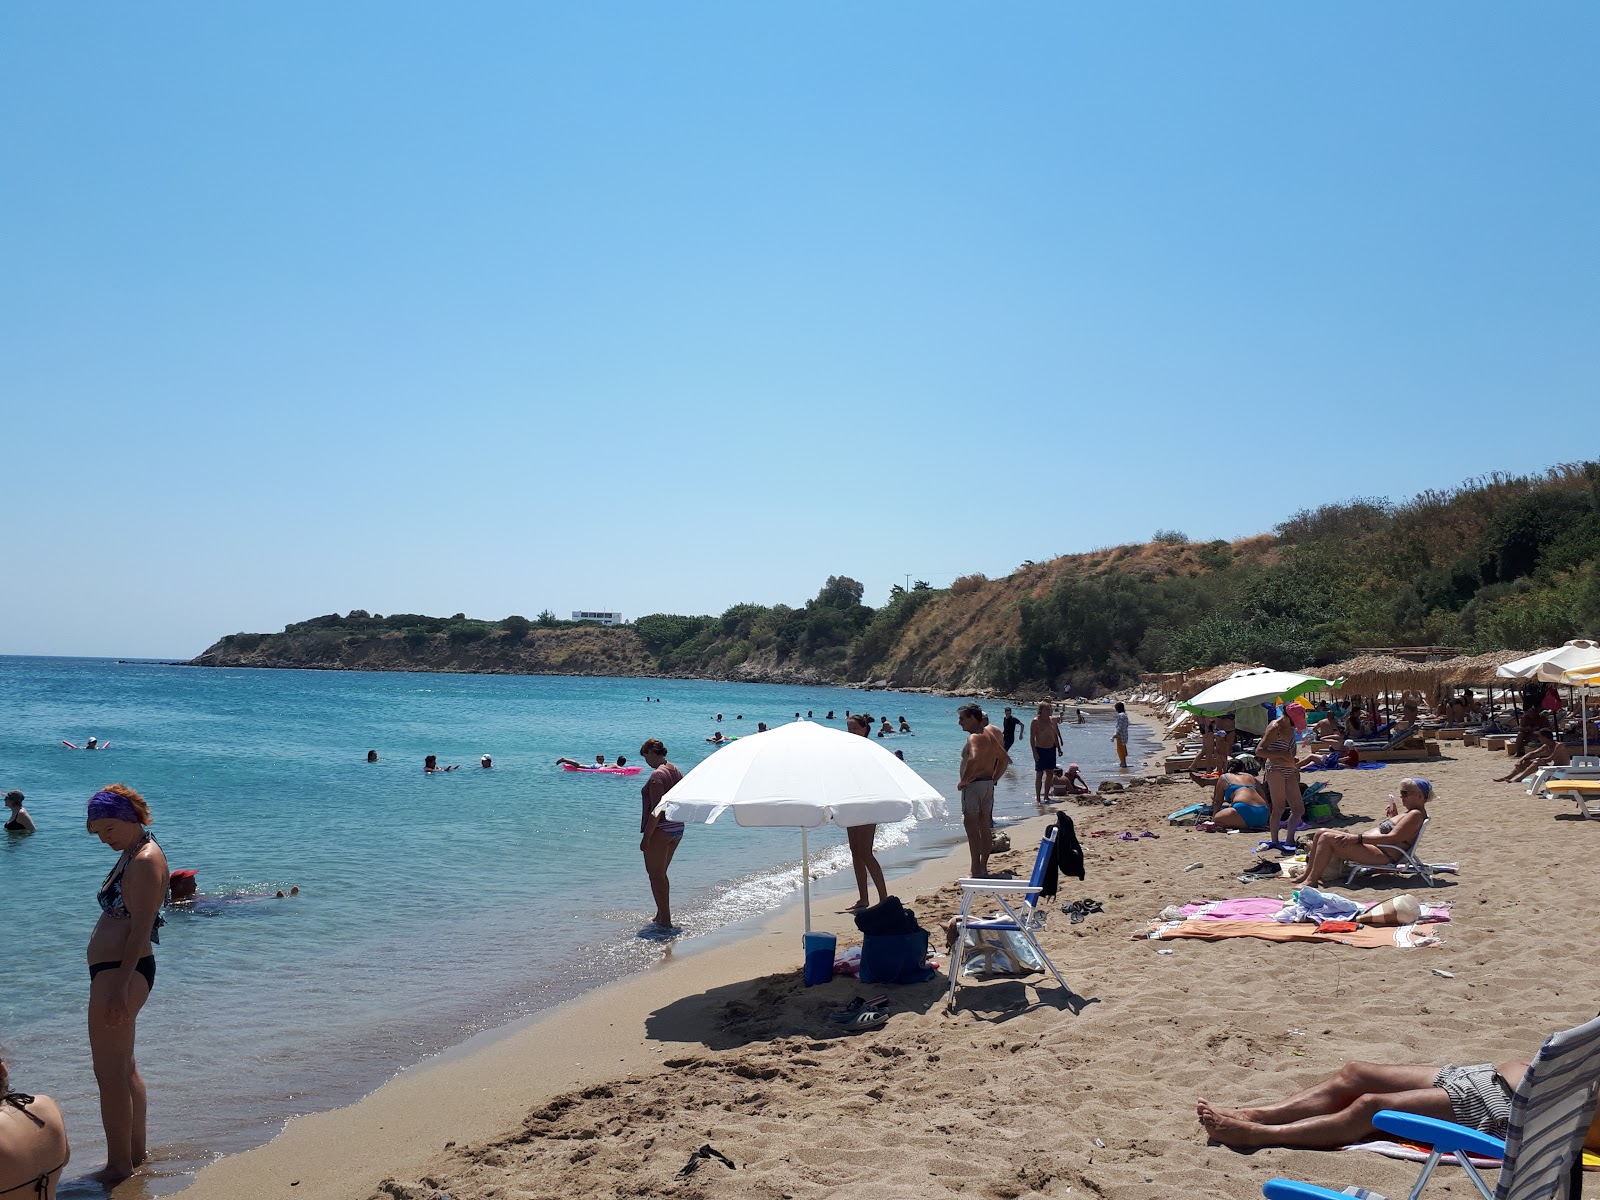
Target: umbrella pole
<point>805,875</point>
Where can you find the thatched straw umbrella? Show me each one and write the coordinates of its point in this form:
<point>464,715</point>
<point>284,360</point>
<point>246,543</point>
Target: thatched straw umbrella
<point>1478,670</point>
<point>1369,674</point>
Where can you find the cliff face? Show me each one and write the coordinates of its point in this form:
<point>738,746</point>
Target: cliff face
<point>588,651</point>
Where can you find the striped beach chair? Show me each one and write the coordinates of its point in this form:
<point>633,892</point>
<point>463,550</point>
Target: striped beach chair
<point>1542,1152</point>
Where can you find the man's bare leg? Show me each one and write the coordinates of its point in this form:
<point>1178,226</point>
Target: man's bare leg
<point>1350,1124</point>
<point>976,825</point>
<point>1335,1092</point>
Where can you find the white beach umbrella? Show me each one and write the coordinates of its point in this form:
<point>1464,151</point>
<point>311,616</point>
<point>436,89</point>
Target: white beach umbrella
<point>1255,686</point>
<point>1549,664</point>
<point>1584,676</point>
<point>1572,662</point>
<point>804,775</point>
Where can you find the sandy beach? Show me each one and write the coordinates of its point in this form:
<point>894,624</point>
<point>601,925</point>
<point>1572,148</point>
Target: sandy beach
<point>1022,1091</point>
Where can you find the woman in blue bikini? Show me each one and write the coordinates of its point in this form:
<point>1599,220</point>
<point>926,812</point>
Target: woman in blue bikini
<point>1236,800</point>
<point>122,969</point>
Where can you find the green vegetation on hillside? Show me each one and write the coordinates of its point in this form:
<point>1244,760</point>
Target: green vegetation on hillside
<point>1503,562</point>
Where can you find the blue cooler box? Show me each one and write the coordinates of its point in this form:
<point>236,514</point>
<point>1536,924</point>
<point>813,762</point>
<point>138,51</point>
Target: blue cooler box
<point>821,949</point>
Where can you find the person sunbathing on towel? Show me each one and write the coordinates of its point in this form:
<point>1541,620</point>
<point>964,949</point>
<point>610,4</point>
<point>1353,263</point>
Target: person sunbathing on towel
<point>1339,1110</point>
<point>1380,846</point>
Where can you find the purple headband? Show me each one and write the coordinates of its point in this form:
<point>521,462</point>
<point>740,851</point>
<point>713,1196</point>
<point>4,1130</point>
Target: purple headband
<point>112,805</point>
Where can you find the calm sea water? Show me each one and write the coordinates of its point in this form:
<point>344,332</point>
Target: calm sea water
<point>431,907</point>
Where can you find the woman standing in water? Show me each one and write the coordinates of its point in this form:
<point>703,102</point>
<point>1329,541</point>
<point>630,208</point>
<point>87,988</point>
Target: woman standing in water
<point>122,969</point>
<point>862,859</point>
<point>19,821</point>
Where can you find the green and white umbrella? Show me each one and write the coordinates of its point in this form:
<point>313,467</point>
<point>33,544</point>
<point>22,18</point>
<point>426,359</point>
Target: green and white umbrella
<point>1258,685</point>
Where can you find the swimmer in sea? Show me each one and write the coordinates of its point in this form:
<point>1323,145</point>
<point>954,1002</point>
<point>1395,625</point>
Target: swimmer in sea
<point>486,762</point>
<point>599,760</point>
<point>717,737</point>
<point>905,726</point>
<point>372,756</point>
<point>19,821</point>
<point>430,765</point>
<point>622,760</point>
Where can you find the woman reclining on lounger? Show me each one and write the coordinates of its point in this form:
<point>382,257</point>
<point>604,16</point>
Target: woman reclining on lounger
<point>1380,846</point>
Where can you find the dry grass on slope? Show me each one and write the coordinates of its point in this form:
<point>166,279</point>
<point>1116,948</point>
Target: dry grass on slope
<point>946,644</point>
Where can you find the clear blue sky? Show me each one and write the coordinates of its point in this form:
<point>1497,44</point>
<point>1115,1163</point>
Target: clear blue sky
<point>661,307</point>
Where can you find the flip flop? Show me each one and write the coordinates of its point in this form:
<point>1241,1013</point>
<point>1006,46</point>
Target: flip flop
<point>864,1018</point>
<point>706,1153</point>
<point>859,1005</point>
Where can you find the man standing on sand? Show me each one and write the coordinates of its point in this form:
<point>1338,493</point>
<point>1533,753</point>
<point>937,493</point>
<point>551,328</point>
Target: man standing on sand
<point>1012,724</point>
<point>1044,735</point>
<point>983,759</point>
<point>660,837</point>
<point>1121,735</point>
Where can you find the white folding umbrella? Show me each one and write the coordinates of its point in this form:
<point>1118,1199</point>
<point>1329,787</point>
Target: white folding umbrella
<point>804,775</point>
<point>1584,676</point>
<point>1578,659</point>
<point>1549,664</point>
<point>1255,686</point>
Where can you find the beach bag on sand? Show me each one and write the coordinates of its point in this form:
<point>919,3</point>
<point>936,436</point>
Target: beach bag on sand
<point>894,948</point>
<point>889,916</point>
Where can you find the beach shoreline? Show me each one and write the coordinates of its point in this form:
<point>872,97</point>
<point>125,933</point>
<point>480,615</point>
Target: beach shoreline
<point>480,1088</point>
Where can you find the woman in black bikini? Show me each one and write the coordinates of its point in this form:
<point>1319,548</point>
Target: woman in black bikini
<point>19,821</point>
<point>33,1144</point>
<point>122,969</point>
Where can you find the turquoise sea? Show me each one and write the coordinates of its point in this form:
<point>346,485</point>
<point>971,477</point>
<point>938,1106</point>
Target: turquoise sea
<point>431,907</point>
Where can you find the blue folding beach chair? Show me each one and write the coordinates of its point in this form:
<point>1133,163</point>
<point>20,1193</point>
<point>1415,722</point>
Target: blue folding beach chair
<point>1019,903</point>
<point>1542,1152</point>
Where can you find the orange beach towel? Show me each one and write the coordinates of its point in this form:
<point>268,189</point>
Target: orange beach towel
<point>1368,937</point>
